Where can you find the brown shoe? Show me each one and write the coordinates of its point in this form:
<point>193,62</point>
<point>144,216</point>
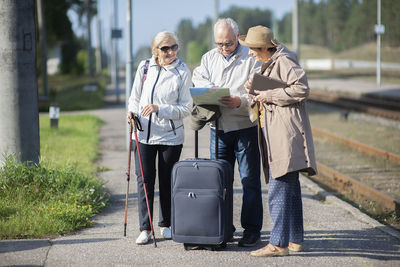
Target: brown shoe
<point>295,247</point>
<point>270,251</point>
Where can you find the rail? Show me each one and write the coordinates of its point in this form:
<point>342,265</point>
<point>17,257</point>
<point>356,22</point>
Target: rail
<point>369,105</point>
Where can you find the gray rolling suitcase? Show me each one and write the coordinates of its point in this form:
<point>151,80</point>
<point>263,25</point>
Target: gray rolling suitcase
<point>202,202</point>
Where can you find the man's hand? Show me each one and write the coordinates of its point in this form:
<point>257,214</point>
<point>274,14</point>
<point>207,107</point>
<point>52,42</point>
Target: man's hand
<point>230,101</point>
<point>150,108</point>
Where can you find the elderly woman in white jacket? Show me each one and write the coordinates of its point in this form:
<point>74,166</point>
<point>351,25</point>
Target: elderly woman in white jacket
<point>160,97</point>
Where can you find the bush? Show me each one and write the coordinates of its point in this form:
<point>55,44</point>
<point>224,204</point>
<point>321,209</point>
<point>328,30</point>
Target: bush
<point>56,200</point>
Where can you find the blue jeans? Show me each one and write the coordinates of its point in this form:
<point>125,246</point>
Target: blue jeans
<point>243,146</point>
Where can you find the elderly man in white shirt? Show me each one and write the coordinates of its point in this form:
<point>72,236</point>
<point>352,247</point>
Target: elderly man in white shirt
<point>229,65</point>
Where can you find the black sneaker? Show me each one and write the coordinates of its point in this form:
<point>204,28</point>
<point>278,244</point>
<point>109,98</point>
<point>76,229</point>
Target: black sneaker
<point>249,240</point>
<point>233,234</point>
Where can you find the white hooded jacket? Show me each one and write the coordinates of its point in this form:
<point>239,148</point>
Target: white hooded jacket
<point>167,87</point>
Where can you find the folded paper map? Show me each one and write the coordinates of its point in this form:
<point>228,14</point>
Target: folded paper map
<point>208,96</point>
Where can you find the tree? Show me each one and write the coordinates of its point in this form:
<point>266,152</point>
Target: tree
<point>247,18</point>
<point>336,17</point>
<point>59,32</point>
<point>391,20</point>
<point>285,28</point>
<point>185,34</point>
<point>306,16</point>
<point>195,52</point>
<point>88,8</point>
<point>144,52</point>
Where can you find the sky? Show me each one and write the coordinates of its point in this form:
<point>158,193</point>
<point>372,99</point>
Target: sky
<point>153,16</point>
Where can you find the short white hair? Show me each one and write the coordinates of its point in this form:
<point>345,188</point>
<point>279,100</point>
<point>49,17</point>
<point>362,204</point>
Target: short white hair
<point>227,22</point>
<point>159,38</point>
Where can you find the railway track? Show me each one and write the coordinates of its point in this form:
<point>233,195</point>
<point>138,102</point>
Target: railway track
<point>370,104</point>
<point>365,174</point>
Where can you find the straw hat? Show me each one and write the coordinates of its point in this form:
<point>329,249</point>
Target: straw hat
<point>258,37</point>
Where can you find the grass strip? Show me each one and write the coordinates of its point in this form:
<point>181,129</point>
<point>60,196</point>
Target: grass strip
<point>60,194</point>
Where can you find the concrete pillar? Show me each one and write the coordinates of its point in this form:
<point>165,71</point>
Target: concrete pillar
<point>19,118</point>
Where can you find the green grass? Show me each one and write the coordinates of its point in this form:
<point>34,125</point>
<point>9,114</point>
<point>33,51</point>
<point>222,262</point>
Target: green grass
<point>59,195</point>
<point>67,91</point>
<point>74,142</point>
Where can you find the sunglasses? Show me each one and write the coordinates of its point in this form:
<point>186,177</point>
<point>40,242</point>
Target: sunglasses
<point>224,44</point>
<point>167,48</point>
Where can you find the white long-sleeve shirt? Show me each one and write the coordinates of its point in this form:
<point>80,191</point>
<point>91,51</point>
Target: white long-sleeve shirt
<point>215,70</point>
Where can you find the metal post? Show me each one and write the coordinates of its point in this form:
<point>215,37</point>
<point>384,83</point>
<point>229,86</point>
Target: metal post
<point>295,28</point>
<point>54,115</point>
<point>378,52</point>
<point>19,127</point>
<point>43,50</point>
<point>216,15</point>
<point>89,36</point>
<point>216,10</point>
<point>275,28</point>
<point>129,65</point>
<point>112,54</point>
<point>116,51</point>
<point>99,59</point>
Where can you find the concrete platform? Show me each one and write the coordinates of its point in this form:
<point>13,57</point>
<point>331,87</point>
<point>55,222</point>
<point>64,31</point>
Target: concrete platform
<point>357,88</point>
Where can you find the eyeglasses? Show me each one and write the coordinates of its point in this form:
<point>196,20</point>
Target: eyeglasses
<point>165,49</point>
<point>224,44</point>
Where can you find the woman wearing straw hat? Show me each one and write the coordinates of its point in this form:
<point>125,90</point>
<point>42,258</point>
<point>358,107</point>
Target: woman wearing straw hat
<point>285,138</point>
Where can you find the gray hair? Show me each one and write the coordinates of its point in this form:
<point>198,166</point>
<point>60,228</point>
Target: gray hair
<point>227,22</point>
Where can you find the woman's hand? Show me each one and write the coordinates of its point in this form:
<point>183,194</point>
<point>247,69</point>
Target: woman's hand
<point>150,108</point>
<point>129,116</point>
<point>248,84</point>
<point>261,96</point>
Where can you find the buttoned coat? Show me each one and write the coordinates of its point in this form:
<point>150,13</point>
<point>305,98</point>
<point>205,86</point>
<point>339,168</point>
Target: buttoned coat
<point>287,144</point>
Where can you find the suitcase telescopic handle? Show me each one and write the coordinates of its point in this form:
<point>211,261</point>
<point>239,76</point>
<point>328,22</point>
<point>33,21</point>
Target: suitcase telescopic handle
<point>196,142</point>
<point>216,139</point>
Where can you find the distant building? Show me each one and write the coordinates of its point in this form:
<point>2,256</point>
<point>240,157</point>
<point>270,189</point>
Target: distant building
<point>54,60</point>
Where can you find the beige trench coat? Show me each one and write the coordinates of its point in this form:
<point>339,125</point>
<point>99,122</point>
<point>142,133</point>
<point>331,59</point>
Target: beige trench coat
<point>288,144</point>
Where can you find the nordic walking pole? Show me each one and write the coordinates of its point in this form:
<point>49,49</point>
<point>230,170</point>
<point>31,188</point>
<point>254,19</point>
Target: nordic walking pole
<point>136,126</point>
<point>128,175</point>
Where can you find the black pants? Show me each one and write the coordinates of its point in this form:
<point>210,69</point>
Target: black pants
<point>167,157</point>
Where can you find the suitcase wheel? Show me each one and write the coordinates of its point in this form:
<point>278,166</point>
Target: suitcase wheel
<point>187,247</point>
